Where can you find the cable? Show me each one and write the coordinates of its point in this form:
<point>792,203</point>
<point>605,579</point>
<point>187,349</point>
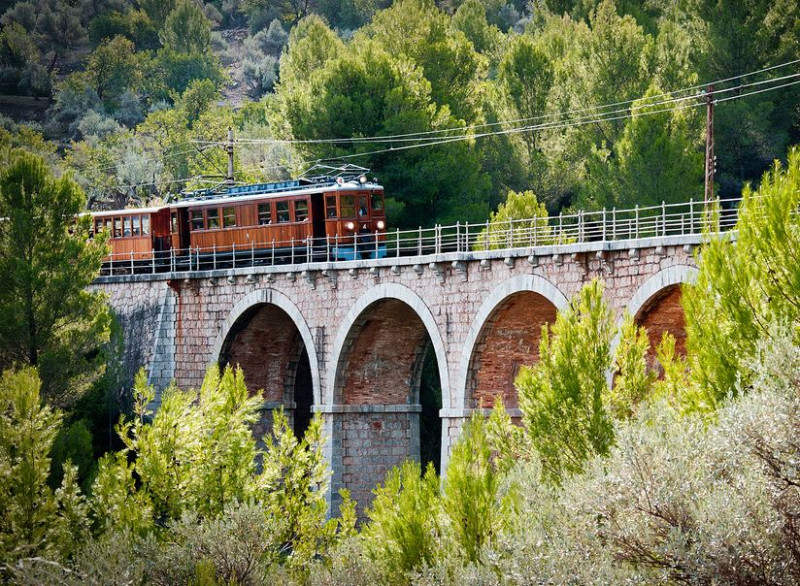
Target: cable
<point>550,126</point>
<point>544,116</point>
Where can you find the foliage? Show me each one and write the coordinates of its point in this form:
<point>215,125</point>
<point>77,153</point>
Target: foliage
<point>745,285</point>
<point>49,318</point>
<point>520,221</point>
<point>35,520</point>
<point>654,161</point>
<point>404,529</point>
<point>561,397</point>
<point>186,29</point>
<point>633,380</point>
<point>195,461</point>
<point>472,499</point>
<point>72,445</point>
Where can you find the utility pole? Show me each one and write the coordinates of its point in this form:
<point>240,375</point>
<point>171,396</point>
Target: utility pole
<point>711,160</point>
<point>229,148</point>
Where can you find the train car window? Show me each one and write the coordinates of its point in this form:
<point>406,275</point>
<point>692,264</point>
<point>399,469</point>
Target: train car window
<point>98,226</point>
<point>137,228</point>
<point>301,210</point>
<point>282,211</point>
<point>196,219</point>
<point>362,206</point>
<point>264,214</point>
<point>330,206</point>
<point>377,202</point>
<point>117,227</point>
<point>127,221</point>
<point>107,228</point>
<point>213,218</point>
<point>145,225</point>
<point>348,206</point>
<point>228,217</point>
<point>174,222</point>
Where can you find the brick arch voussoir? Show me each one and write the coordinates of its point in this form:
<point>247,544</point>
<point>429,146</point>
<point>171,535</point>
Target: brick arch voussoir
<point>495,299</point>
<point>271,297</point>
<point>386,291</point>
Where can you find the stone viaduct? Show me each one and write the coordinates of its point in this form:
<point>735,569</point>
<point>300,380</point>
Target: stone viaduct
<point>360,341</point>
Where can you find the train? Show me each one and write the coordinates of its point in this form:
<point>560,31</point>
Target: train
<point>338,216</point>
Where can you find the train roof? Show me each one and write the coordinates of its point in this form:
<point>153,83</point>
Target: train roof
<point>259,191</point>
<point>125,211</point>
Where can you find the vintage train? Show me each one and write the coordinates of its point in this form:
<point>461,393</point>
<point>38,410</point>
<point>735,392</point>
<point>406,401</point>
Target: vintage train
<point>327,217</point>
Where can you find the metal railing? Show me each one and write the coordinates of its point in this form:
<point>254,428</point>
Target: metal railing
<point>582,227</point>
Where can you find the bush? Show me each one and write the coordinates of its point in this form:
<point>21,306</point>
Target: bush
<point>679,499</point>
<point>73,445</point>
<point>404,532</point>
<point>472,502</point>
<point>34,519</point>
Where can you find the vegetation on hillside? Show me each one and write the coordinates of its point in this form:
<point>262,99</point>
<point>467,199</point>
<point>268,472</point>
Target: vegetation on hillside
<point>140,92</point>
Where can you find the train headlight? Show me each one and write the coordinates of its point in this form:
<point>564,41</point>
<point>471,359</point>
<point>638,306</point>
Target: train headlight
<point>381,224</point>
<point>350,226</point>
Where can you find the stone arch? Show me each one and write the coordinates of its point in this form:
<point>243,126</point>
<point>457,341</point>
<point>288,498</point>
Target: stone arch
<point>248,306</point>
<point>529,290</point>
<point>372,392</point>
<point>386,291</point>
<point>656,305</point>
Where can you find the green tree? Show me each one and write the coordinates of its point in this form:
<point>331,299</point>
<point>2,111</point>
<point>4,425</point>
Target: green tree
<point>35,520</point>
<point>525,77</point>
<point>470,19</point>
<point>561,397</point>
<point>746,288</point>
<point>472,499</point>
<point>404,530</point>
<point>419,32</point>
<point>520,221</point>
<point>113,68</point>
<point>48,318</point>
<point>158,10</point>
<point>366,91</point>
<point>736,38</point>
<point>197,456</point>
<point>655,160</point>
<point>186,29</point>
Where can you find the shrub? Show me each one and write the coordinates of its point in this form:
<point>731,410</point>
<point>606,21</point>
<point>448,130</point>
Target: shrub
<point>34,519</point>
<point>744,287</point>
<point>472,501</point>
<point>561,397</point>
<point>404,530</point>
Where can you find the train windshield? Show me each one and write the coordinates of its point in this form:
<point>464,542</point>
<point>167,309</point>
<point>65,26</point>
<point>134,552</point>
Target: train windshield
<point>330,206</point>
<point>377,202</point>
<point>348,206</point>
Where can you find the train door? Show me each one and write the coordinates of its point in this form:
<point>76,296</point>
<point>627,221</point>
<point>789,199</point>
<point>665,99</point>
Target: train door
<point>318,215</point>
<point>160,230</point>
<point>180,228</point>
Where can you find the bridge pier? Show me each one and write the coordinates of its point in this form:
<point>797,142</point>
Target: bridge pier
<point>349,339</point>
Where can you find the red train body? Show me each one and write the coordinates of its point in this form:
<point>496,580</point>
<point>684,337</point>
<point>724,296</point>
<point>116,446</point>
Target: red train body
<point>345,216</point>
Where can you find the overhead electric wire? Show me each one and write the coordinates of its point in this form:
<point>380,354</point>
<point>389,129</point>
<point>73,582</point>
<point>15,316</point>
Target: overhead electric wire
<point>396,137</point>
<point>559,123</point>
<point>548,126</point>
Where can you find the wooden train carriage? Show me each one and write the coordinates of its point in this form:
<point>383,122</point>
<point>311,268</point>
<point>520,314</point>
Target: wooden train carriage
<point>252,218</point>
<point>134,234</point>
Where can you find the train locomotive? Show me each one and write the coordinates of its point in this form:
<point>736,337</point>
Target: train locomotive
<point>330,217</point>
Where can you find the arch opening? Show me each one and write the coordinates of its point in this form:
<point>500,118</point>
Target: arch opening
<point>268,346</point>
<point>508,339</point>
<point>387,384</point>
<point>663,313</point>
